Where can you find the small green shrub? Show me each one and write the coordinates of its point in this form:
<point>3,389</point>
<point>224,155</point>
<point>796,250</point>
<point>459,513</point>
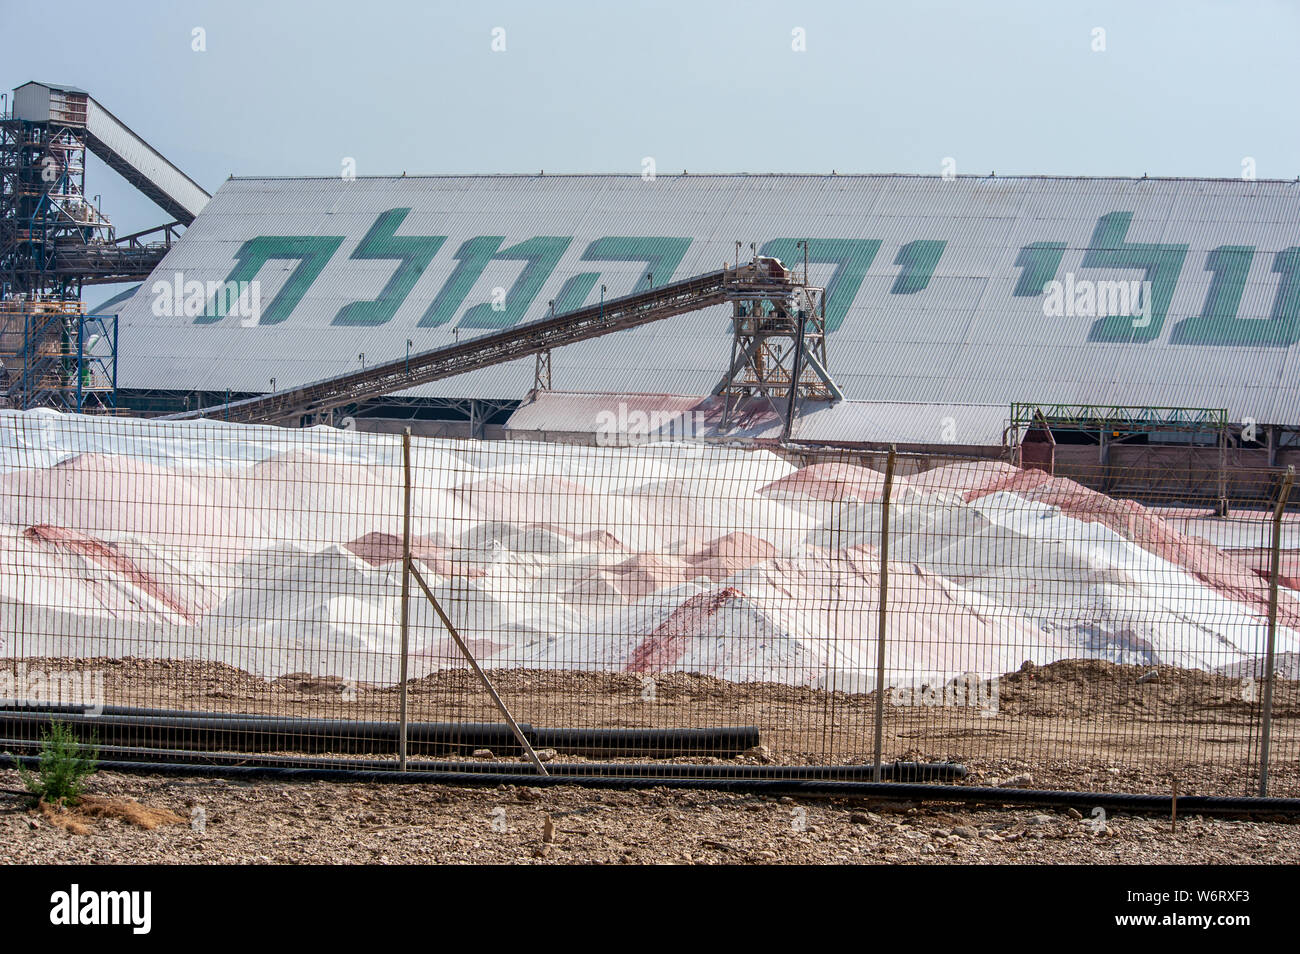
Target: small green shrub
<point>64,765</point>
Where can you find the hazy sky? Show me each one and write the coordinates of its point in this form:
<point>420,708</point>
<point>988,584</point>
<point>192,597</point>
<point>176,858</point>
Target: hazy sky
<point>289,88</point>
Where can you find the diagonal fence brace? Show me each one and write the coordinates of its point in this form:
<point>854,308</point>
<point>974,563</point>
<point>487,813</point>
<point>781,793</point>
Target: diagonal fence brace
<point>483,677</point>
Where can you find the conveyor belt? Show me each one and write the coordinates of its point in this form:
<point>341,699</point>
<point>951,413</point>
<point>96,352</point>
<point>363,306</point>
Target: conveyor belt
<point>141,165</point>
<point>762,280</point>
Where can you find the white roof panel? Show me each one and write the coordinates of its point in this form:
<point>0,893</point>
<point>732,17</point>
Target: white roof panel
<point>937,316</point>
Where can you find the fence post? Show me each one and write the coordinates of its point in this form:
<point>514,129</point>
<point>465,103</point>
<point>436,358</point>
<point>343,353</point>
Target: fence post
<point>406,595</point>
<point>884,605</point>
<point>1265,736</point>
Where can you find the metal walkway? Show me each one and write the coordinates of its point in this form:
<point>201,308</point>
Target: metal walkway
<point>762,279</point>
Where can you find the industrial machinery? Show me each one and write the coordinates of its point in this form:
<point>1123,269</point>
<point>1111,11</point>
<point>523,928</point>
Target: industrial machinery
<point>775,343</point>
<point>762,287</point>
<point>54,239</point>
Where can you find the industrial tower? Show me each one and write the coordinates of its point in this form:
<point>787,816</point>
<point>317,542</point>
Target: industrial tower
<point>54,240</point>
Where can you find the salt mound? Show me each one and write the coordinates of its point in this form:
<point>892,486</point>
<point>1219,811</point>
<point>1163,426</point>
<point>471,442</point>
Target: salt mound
<point>378,549</point>
<point>532,501</point>
<point>302,495</point>
<point>49,567</point>
<point>677,516</point>
<point>1133,522</point>
<point>632,579</point>
<point>104,495</point>
<point>970,478</point>
<point>936,628</point>
<point>120,538</point>
<point>833,481</point>
<point>716,632</point>
<point>730,553</point>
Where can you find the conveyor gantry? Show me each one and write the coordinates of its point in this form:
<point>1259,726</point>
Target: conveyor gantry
<point>763,278</point>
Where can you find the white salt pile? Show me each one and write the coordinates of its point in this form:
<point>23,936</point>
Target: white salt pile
<point>279,551</point>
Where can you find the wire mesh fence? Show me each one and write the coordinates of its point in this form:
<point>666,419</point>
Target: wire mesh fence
<point>218,594</point>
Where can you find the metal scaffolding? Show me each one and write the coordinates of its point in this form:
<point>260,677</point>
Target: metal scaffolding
<point>43,208</point>
<point>778,352</point>
<point>54,240</point>
<point>53,355</point>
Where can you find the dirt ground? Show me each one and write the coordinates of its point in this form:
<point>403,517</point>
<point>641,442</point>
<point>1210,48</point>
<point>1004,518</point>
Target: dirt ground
<point>1080,726</point>
<point>328,823</point>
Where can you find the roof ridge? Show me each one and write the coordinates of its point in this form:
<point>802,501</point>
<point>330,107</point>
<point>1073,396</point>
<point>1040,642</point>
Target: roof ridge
<point>773,175</point>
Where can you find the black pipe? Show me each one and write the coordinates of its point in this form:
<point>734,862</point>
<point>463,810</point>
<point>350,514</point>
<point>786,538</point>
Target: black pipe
<point>266,735</point>
<point>723,742</point>
<point>236,732</point>
<point>906,771</point>
<point>1114,801</point>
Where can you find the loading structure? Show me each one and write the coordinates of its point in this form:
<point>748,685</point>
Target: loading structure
<point>778,352</point>
<point>760,286</point>
<point>54,239</point>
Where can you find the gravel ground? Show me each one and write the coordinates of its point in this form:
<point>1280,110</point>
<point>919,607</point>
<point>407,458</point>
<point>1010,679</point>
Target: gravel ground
<point>1080,726</point>
<point>329,823</point>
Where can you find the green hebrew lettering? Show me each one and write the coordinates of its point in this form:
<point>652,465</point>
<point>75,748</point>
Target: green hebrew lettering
<point>573,294</point>
<point>1039,263</point>
<point>851,258</point>
<point>918,259</point>
<point>540,256</point>
<point>1160,263</point>
<point>413,254</point>
<point>1282,329</point>
<point>1217,323</point>
<point>1219,326</point>
<point>660,254</point>
<point>471,258</point>
<point>311,253</point>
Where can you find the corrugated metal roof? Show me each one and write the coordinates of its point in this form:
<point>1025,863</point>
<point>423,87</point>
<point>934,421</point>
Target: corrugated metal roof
<point>676,416</point>
<point>898,422</point>
<point>54,86</point>
<point>586,413</point>
<point>114,305</point>
<point>958,335</point>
